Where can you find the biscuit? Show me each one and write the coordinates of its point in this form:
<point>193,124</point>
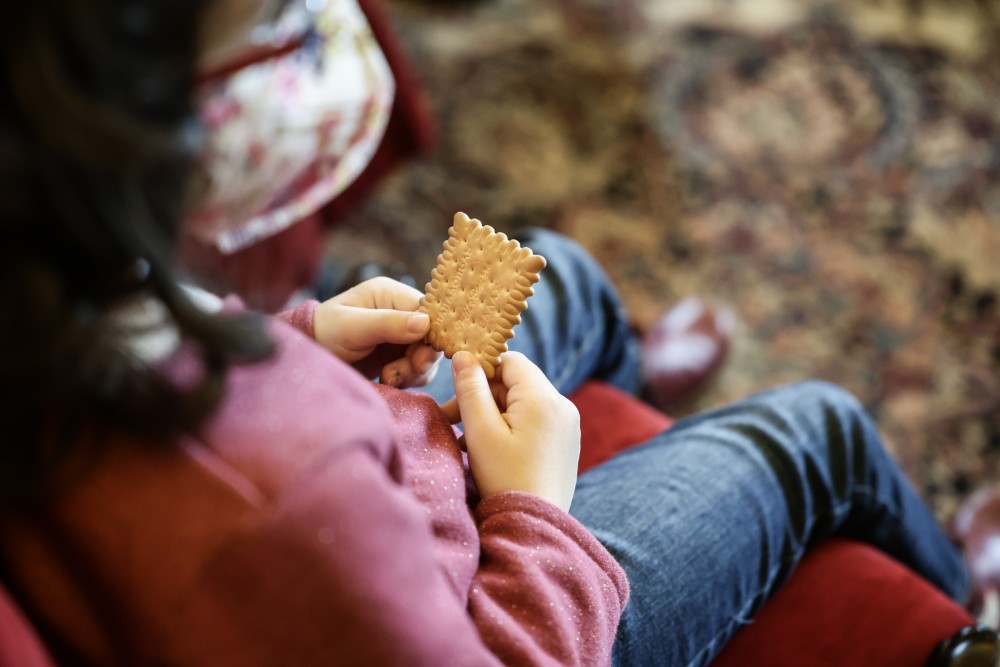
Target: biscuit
<point>477,291</point>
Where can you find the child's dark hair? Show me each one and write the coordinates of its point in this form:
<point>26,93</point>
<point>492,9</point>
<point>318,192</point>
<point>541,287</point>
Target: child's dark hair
<point>97,139</point>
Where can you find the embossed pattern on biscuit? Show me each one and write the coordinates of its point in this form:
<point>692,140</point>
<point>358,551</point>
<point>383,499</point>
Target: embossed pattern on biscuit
<point>477,291</point>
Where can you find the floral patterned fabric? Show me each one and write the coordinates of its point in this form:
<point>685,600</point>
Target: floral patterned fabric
<point>287,134</point>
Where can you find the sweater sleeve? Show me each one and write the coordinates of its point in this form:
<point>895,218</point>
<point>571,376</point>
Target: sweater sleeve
<point>546,590</point>
<point>543,590</point>
<point>301,317</point>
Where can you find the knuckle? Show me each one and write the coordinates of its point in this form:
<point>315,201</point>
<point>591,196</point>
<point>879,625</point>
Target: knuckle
<point>380,282</point>
<point>570,413</point>
<point>385,324</point>
<point>565,408</point>
<point>550,403</point>
<point>470,387</point>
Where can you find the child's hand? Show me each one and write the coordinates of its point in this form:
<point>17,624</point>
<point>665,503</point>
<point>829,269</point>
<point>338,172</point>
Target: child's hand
<point>520,432</point>
<point>375,327</point>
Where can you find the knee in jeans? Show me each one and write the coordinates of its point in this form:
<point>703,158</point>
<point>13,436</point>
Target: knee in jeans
<point>569,262</point>
<point>830,396</point>
<point>551,244</point>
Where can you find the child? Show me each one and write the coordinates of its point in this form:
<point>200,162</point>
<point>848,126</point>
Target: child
<point>186,483</point>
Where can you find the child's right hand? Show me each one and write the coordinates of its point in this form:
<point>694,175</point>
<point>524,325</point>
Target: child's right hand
<point>520,432</point>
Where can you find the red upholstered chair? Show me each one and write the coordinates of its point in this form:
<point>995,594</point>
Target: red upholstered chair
<point>845,604</point>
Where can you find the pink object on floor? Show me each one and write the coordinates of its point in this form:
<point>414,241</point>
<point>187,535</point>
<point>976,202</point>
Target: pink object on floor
<point>685,349</point>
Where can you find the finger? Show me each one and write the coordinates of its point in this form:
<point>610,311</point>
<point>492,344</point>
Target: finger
<point>361,329</point>
<point>522,380</point>
<point>517,369</point>
<point>416,368</point>
<point>450,407</point>
<point>397,374</point>
<point>499,395</point>
<point>475,398</point>
<point>401,373</point>
<point>381,292</point>
<point>423,357</point>
<point>450,410</point>
<point>428,375</point>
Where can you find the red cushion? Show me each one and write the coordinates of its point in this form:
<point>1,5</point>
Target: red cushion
<point>611,421</point>
<point>845,604</point>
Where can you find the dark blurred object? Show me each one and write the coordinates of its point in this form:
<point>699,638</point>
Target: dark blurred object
<point>974,646</point>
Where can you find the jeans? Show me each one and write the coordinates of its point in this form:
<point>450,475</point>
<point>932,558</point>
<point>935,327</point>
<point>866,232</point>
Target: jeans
<point>709,518</point>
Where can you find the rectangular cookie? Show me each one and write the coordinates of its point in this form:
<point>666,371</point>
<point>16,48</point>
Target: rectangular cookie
<point>477,291</point>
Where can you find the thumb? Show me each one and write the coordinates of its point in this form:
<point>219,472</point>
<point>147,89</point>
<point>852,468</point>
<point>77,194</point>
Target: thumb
<point>478,410</point>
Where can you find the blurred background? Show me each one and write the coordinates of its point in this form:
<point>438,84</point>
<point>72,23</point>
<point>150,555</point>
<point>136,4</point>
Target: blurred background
<point>831,171</point>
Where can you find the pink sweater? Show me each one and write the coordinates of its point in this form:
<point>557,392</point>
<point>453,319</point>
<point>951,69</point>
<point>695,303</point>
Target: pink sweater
<point>301,527</point>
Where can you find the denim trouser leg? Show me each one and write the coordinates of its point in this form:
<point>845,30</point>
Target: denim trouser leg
<point>574,328</point>
<point>710,517</point>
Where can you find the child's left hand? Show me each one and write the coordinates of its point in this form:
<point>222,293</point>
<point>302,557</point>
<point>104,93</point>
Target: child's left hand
<point>375,327</point>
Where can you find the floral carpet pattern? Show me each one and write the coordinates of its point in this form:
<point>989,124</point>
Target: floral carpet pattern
<point>831,172</point>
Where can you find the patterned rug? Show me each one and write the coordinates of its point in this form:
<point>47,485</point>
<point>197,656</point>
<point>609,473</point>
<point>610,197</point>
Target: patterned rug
<point>830,172</point>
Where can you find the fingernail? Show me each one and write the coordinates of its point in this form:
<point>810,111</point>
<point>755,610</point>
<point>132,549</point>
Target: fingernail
<point>417,323</point>
<point>462,361</point>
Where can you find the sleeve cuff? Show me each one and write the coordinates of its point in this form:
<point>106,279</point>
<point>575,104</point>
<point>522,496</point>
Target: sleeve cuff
<point>301,317</point>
